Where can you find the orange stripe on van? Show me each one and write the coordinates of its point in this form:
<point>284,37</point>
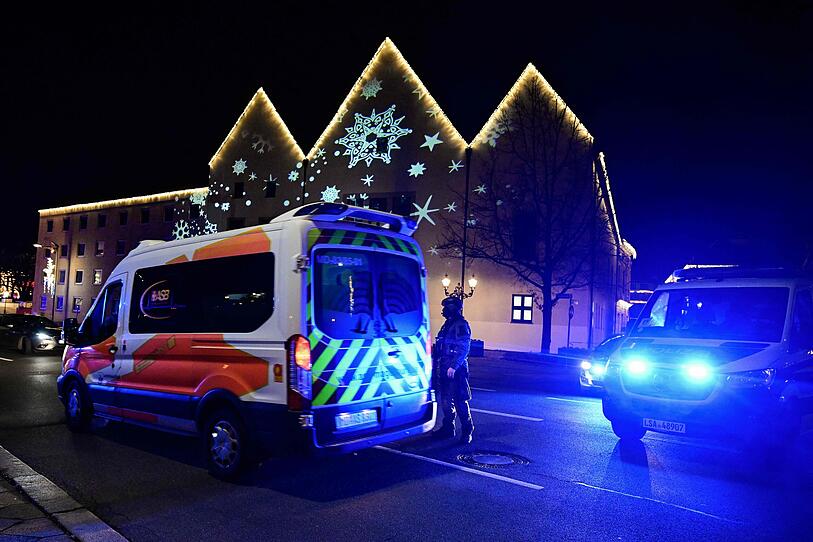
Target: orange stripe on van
<point>178,259</point>
<point>250,242</point>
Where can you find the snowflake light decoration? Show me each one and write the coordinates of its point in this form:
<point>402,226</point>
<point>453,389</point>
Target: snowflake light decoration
<point>209,228</point>
<point>239,166</point>
<point>456,165</point>
<point>372,137</point>
<point>330,194</point>
<point>181,230</point>
<point>368,180</point>
<point>293,176</point>
<point>416,169</point>
<point>225,206</point>
<point>452,207</point>
<point>371,88</point>
<point>261,144</point>
<point>198,199</point>
<point>252,177</point>
<point>433,250</point>
<point>481,189</point>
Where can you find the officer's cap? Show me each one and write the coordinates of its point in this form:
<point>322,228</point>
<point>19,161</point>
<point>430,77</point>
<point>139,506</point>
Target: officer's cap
<point>453,302</point>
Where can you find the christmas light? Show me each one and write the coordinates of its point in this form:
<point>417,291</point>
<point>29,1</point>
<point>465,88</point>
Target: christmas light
<point>122,202</point>
<point>386,48</point>
<point>260,99</point>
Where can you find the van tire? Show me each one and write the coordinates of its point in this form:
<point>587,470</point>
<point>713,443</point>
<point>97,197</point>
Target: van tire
<point>77,408</point>
<point>226,444</point>
<point>628,430</point>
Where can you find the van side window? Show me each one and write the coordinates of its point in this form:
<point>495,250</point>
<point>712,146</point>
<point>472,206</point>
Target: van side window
<point>220,295</point>
<point>103,321</point>
<point>801,333</point>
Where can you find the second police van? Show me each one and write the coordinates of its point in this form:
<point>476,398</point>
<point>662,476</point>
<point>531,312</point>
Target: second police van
<point>313,328</point>
<point>717,352</point>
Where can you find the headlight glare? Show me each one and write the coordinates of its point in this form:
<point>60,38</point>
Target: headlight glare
<point>637,366</point>
<point>697,371</point>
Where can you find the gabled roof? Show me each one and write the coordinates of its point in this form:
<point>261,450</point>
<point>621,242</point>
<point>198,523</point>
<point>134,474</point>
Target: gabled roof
<point>260,99</point>
<point>122,202</point>
<point>530,73</point>
<point>604,180</point>
<point>387,46</point>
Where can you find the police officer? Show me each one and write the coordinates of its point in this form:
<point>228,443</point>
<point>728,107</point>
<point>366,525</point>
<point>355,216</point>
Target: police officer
<point>452,368</point>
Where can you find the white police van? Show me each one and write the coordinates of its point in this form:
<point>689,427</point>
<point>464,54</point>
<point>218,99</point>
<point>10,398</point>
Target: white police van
<point>718,352</point>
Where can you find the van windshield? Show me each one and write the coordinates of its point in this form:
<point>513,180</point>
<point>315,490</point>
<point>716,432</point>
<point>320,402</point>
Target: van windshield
<point>731,314</point>
<point>364,294</point>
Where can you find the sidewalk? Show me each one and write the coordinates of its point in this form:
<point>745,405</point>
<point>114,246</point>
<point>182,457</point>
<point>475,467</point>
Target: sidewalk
<point>21,520</point>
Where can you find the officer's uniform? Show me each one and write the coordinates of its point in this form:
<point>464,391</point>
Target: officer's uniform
<point>452,350</point>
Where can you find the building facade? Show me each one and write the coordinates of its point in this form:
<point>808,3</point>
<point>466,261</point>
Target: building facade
<point>389,147</point>
<point>80,245</point>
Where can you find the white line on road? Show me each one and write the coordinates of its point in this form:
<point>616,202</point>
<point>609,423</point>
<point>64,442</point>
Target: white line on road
<point>481,389</point>
<point>6,359</point>
<point>462,468</point>
<point>572,400</point>
<point>529,418</point>
<point>650,499</point>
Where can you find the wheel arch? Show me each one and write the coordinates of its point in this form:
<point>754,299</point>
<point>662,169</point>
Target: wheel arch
<point>213,400</point>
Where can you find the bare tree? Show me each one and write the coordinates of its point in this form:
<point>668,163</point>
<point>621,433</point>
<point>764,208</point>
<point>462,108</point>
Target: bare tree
<point>536,207</point>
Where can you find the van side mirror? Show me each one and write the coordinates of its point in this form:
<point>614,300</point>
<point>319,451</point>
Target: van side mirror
<point>70,331</point>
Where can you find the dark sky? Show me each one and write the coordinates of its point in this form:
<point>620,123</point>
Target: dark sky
<point>704,111</point>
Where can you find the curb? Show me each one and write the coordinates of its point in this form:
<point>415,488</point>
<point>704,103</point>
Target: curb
<point>75,519</point>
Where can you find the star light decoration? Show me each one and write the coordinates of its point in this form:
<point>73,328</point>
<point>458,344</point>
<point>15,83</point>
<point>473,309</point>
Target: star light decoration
<point>433,250</point>
<point>423,212</point>
<point>416,169</point>
<point>367,136</point>
<point>480,189</point>
<point>371,88</point>
<point>431,141</point>
<point>456,165</point>
<point>239,166</point>
<point>330,194</point>
<point>452,207</point>
<point>368,180</point>
<point>252,177</point>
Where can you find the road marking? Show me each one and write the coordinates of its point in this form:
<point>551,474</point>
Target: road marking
<point>6,359</point>
<point>481,389</point>
<point>572,400</point>
<point>462,468</point>
<point>529,418</point>
<point>650,499</point>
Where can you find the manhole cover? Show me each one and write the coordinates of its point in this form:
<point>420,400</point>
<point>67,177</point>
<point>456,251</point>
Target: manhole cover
<point>492,460</point>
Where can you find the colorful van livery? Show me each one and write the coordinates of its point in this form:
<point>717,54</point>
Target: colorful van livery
<point>312,329</point>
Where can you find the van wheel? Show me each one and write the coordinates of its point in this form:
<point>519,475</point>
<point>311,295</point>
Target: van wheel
<point>628,430</point>
<point>77,412</point>
<point>226,444</point>
<point>24,346</point>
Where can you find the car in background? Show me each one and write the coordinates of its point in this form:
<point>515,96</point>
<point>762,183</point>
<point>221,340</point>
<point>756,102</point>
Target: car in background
<point>28,333</point>
<point>592,369</point>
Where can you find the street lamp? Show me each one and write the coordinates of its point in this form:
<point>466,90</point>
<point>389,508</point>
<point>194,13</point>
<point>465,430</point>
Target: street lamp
<point>458,289</point>
<point>55,247</point>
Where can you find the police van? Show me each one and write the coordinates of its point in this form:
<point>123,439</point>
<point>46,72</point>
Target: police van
<point>720,352</point>
<point>312,329</point>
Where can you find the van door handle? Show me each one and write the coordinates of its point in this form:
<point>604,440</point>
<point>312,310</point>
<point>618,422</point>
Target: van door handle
<point>113,349</point>
<point>394,353</point>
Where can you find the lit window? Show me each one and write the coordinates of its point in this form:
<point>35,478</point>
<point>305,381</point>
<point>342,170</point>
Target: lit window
<point>97,276</point>
<point>99,248</point>
<point>522,309</point>
<point>60,303</point>
<point>43,302</point>
<point>77,305</point>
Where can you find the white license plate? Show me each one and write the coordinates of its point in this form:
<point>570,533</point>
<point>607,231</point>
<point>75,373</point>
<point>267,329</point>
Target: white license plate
<point>352,419</point>
<point>660,425</point>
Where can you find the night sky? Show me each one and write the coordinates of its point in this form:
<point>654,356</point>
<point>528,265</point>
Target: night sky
<point>704,112</point>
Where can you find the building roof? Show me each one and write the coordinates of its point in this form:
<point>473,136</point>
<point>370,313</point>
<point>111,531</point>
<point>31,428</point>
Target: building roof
<point>122,202</point>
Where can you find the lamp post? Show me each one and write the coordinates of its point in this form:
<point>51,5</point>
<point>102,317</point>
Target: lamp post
<point>458,290</point>
<point>55,247</point>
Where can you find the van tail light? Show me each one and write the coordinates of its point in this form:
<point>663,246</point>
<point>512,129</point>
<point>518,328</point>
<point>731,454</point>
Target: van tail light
<point>298,352</point>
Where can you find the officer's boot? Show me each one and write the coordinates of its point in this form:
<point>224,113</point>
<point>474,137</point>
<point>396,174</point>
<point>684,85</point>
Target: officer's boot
<point>466,423</point>
<point>447,427</point>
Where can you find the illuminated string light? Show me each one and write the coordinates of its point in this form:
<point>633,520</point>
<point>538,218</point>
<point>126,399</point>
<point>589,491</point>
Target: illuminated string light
<point>386,49</point>
<point>123,202</point>
<point>260,99</point>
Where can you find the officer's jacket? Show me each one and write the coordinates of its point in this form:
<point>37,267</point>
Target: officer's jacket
<point>453,344</point>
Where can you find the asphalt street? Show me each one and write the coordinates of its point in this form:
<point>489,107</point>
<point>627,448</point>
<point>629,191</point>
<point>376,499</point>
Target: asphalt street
<point>572,480</point>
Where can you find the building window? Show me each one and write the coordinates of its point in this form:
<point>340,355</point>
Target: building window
<point>169,210</point>
<point>379,204</point>
<point>43,302</point>
<point>62,275</point>
<point>66,224</point>
<point>239,189</point>
<point>101,220</point>
<point>402,203</point>
<point>99,248</point>
<point>97,276</point>
<point>80,249</point>
<point>235,223</point>
<point>83,222</point>
<point>80,276</point>
<point>77,305</point>
<point>49,226</point>
<point>522,309</point>
<point>60,303</point>
<point>120,247</point>
<point>270,189</point>
<point>145,215</point>
<point>123,218</point>
<point>63,251</point>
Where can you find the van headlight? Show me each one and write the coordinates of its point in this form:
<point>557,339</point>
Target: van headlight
<point>42,336</point>
<point>752,379</point>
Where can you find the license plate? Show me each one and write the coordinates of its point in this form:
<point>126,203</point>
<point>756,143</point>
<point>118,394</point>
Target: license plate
<point>660,425</point>
<point>352,419</point>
